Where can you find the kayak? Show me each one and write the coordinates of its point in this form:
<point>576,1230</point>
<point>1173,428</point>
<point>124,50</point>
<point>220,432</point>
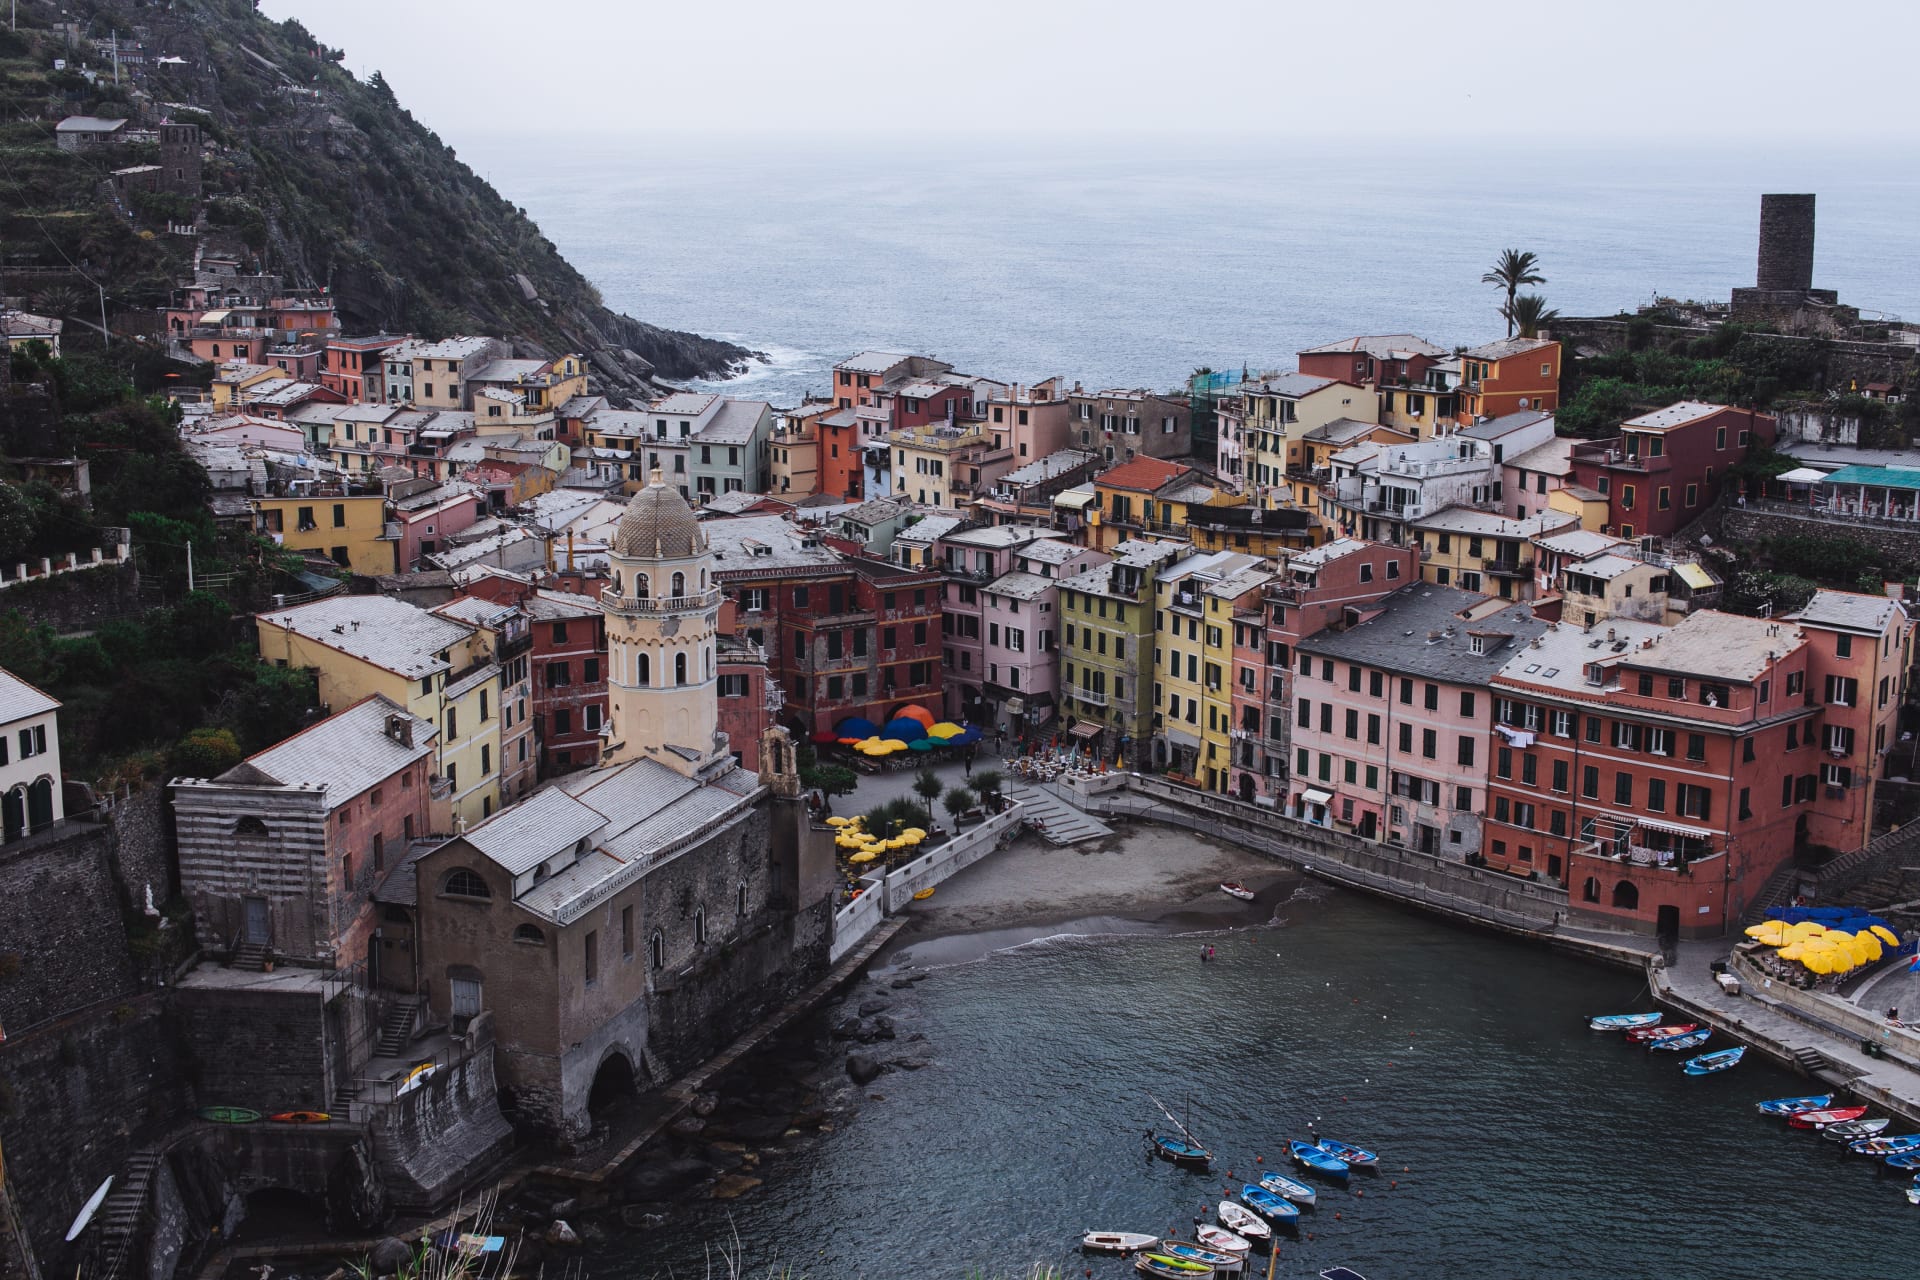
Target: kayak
<point>1234,888</point>
<point>229,1115</point>
<point>300,1117</point>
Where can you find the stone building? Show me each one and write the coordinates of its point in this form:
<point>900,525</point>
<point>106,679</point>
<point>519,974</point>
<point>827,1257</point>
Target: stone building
<point>281,852</point>
<point>628,920</point>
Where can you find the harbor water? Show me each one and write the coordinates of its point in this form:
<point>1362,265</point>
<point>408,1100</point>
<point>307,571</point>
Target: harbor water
<point>1514,1142</point>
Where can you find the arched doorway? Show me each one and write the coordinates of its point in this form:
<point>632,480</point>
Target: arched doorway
<point>13,814</point>
<point>40,804</point>
<point>1246,788</point>
<point>613,1085</point>
<point>1626,896</point>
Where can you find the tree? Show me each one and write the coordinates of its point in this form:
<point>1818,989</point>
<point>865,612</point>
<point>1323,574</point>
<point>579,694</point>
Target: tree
<point>988,782</point>
<point>1529,314</point>
<point>204,753</point>
<point>17,524</point>
<point>1512,269</point>
<point>829,779</point>
<point>958,801</point>
<point>927,787</point>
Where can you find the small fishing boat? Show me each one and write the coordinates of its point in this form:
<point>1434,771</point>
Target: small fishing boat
<point>1708,1063</point>
<point>1877,1146</point>
<point>1235,889</point>
<point>1183,1150</point>
<point>1913,1194</point>
<point>1853,1129</point>
<point>1117,1241</point>
<point>1268,1205</point>
<point>1281,1185</point>
<point>1905,1160</point>
<point>1222,1239</point>
<point>1691,1040</point>
<point>1348,1154</point>
<point>1312,1157</point>
<point>1623,1021</point>
<point>1821,1119</point>
<point>1218,1259</point>
<point>300,1117</point>
<point>1640,1035</point>
<point>1789,1106</point>
<point>1159,1264</point>
<point>1341,1273</point>
<point>1245,1221</point>
<point>229,1115</point>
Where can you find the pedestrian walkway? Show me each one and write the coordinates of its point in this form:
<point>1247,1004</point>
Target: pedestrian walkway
<point>1056,821</point>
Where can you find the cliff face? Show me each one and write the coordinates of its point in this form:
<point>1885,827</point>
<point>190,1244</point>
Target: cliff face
<point>331,182</point>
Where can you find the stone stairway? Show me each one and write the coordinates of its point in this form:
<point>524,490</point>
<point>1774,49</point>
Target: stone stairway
<point>1774,893</point>
<point>396,1029</point>
<point>1056,821</point>
<point>251,956</point>
<point>118,1220</point>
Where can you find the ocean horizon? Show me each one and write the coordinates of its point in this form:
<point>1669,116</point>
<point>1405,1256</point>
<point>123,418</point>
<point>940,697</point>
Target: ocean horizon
<point>1129,265</point>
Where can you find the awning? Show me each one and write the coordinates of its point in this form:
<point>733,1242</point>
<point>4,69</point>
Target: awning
<point>1087,729</point>
<point>1694,576</point>
<point>1676,829</point>
<point>1015,706</point>
<point>1313,795</point>
<point>1073,499</point>
<point>214,317</point>
<point>1802,475</point>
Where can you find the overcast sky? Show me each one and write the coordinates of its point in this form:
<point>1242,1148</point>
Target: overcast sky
<point>1592,71</point>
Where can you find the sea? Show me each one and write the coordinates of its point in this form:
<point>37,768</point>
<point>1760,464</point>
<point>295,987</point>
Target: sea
<point>1132,265</point>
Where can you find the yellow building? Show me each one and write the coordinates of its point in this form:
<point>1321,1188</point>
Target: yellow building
<point>938,465</point>
<point>793,451</point>
<point>1280,412</point>
<point>1234,591</point>
<point>1484,551</point>
<point>1151,498</point>
<point>235,382</point>
<point>1192,661</point>
<point>349,529</point>
<point>436,668</point>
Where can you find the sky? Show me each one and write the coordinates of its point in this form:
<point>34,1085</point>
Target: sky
<point>1596,72</point>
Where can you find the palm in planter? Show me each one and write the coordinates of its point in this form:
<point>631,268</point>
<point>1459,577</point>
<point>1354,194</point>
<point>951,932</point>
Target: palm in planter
<point>958,801</point>
<point>987,782</point>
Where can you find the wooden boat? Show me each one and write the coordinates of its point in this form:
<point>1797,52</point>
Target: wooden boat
<point>1348,1154</point>
<point>1691,1040</point>
<point>1117,1241</point>
<point>1237,890</point>
<point>1708,1063</point>
<point>1183,1150</point>
<point>1789,1106</point>
<point>1281,1185</point>
<point>1222,1239</point>
<point>1877,1146</point>
<point>1640,1035</point>
<point>229,1115</point>
<point>1159,1264</point>
<point>1268,1205</point>
<point>1623,1021</point>
<point>1312,1157</point>
<point>1245,1221</point>
<point>1218,1259</point>
<point>300,1117</point>
<point>1821,1119</point>
<point>87,1210</point>
<point>1854,1129</point>
<point>1905,1160</point>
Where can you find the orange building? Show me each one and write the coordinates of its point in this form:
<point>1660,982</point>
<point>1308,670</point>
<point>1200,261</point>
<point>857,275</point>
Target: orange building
<point>842,464</point>
<point>1509,376</point>
<point>1862,649</point>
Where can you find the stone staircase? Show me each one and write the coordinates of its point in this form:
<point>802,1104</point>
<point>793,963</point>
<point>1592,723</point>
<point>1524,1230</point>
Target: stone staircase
<point>251,956</point>
<point>1056,821</point>
<point>118,1221</point>
<point>1776,892</point>
<point>396,1029</point>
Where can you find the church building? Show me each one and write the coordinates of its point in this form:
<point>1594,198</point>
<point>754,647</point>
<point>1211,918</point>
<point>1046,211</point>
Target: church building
<point>625,922</point>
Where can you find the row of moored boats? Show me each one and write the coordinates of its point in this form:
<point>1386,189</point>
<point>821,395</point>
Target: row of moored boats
<point>1647,1029</point>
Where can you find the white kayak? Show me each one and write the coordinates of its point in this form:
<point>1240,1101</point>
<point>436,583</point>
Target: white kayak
<point>1244,1221</point>
<point>1117,1241</point>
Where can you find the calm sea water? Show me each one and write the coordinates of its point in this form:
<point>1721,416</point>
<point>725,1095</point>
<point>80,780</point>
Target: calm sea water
<point>1133,267</point>
<point>1522,1144</point>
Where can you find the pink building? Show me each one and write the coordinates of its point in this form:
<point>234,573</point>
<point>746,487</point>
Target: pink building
<point>429,514</point>
<point>1391,716</point>
<point>999,619</point>
<point>1030,422</point>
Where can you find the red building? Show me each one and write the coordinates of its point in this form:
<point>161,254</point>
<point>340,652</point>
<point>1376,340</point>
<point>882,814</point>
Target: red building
<point>568,668</point>
<point>1511,375</point>
<point>1374,361</point>
<point>844,635</point>
<point>355,367</point>
<point>1666,467</point>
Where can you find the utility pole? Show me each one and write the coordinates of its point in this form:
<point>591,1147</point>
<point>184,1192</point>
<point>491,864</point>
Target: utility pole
<point>189,566</point>
<point>106,334</point>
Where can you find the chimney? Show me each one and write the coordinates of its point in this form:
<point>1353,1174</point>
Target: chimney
<point>400,729</point>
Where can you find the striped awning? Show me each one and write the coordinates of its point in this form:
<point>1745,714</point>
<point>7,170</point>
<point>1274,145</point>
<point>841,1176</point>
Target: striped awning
<point>1675,829</point>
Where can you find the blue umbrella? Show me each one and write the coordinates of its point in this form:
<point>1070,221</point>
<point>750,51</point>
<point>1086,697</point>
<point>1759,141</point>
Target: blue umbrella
<point>906,730</point>
<point>856,727</point>
<point>967,738</point>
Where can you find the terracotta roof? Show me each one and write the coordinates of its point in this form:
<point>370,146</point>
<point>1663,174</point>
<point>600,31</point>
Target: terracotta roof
<point>1143,474</point>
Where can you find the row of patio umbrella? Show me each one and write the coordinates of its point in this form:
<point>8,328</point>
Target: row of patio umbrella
<point>863,846</point>
<point>1822,949</point>
<point>905,732</point>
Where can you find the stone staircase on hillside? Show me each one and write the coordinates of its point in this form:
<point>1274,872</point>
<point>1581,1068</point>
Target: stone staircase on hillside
<point>396,1029</point>
<point>1054,819</point>
<point>251,956</point>
<point>117,1222</point>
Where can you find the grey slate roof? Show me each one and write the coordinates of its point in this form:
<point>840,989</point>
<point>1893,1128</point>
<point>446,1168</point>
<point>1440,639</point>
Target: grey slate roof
<point>1020,586</point>
<point>1402,636</point>
<point>1291,385</point>
<point>1381,346</point>
<point>734,422</point>
<point>385,632</point>
<point>759,543</point>
<point>1501,348</point>
<point>18,699</point>
<point>1673,415</point>
<point>1847,611</point>
<point>522,836</point>
<point>1054,464</point>
<point>1504,425</point>
<point>346,753</point>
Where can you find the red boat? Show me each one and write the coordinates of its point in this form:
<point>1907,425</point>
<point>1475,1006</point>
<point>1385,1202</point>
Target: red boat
<point>1821,1119</point>
<point>1640,1035</point>
<point>1238,890</point>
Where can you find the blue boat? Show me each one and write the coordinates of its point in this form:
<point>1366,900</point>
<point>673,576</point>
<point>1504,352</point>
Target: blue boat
<point>1687,1040</point>
<point>1180,1151</point>
<point>1708,1063</point>
<point>1793,1106</point>
<point>1312,1157</point>
<point>1281,1185</point>
<point>1218,1259</point>
<point>1268,1205</point>
<point>1905,1160</point>
<point>1348,1154</point>
<point>1624,1021</point>
<point>1897,1146</point>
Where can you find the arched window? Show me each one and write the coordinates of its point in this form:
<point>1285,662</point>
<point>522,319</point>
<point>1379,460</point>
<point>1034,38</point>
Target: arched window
<point>679,583</point>
<point>462,883</point>
<point>703,579</point>
<point>657,951</point>
<point>641,587</point>
<point>530,933</point>
<point>1590,892</point>
<point>740,899</point>
<point>700,924</point>
<point>644,667</point>
<point>1626,895</point>
<point>679,668</point>
<point>617,590</point>
<point>250,826</point>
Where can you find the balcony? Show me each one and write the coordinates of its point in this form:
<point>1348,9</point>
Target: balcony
<point>1089,698</point>
<point>1505,568</point>
<point>1399,511</point>
<point>708,599</point>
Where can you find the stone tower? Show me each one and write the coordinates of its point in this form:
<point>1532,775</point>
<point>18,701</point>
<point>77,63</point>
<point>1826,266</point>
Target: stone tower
<point>180,160</point>
<point>662,611</point>
<point>1786,242</point>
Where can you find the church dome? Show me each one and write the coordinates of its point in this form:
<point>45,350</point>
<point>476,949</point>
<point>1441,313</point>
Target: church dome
<point>658,525</point>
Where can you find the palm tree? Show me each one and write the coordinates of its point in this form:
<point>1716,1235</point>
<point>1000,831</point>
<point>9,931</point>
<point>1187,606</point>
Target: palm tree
<point>1514,268</point>
<point>1529,314</point>
<point>987,783</point>
<point>958,801</point>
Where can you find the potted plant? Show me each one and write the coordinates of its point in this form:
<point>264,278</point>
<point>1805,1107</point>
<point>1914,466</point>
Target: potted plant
<point>958,801</point>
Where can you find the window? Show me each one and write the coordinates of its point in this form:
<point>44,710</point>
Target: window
<point>1590,782</point>
<point>1656,795</point>
<point>1842,691</point>
<point>1429,743</point>
<point>1530,769</point>
<point>559,674</point>
<point>1466,708</point>
<point>1433,697</point>
<point>462,883</point>
<point>1696,746</point>
<point>1843,646</point>
<point>1465,755</point>
<point>1406,737</point>
<point>590,954</point>
<point>530,934</point>
<point>1623,788</point>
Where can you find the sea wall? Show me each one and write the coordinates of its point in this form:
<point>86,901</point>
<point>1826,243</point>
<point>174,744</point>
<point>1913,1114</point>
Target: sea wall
<point>1847,360</point>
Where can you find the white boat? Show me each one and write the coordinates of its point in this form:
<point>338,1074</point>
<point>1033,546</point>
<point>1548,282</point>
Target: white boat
<point>1238,890</point>
<point>1222,1239</point>
<point>1117,1241</point>
<point>1281,1185</point>
<point>1244,1221</point>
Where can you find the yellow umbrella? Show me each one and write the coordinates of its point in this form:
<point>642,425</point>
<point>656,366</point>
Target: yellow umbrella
<point>867,856</point>
<point>1885,934</point>
<point>1772,932</point>
<point>945,729</point>
<point>915,833</point>
<point>1808,928</point>
<point>1818,961</point>
<point>837,821</point>
<point>1866,948</point>
<point>893,744</point>
<point>1792,951</point>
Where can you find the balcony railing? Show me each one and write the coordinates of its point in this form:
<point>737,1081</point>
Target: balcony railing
<point>1508,568</point>
<point>660,604</point>
<point>1090,698</point>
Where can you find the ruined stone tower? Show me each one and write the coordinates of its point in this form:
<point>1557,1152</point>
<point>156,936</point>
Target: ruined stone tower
<point>180,160</point>
<point>1786,242</point>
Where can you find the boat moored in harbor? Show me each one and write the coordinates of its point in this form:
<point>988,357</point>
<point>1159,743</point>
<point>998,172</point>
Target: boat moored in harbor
<point>1117,1241</point>
<point>1708,1063</point>
<point>1281,1185</point>
<point>1245,1221</point>
<point>1792,1106</point>
<point>1623,1021</point>
<point>1348,1154</point>
<point>1307,1155</point>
